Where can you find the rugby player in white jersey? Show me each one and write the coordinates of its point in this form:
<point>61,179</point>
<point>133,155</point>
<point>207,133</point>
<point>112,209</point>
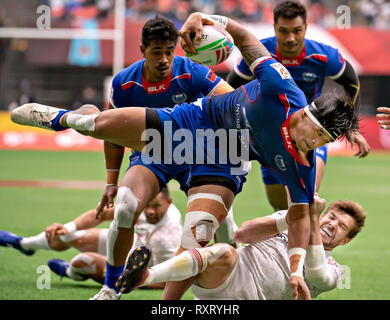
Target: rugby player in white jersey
<point>159,227</point>
<point>260,270</point>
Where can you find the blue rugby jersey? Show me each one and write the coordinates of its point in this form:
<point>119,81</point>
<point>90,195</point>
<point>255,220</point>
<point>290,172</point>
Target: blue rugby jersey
<point>265,107</point>
<point>309,70</point>
<point>187,82</point>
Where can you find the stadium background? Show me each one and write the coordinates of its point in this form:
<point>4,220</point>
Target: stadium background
<point>71,72</point>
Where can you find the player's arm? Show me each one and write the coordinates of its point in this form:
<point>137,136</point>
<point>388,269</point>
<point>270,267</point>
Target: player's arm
<point>239,75</point>
<point>113,155</point>
<point>222,88</point>
<point>261,228</point>
<point>86,220</point>
<point>317,270</point>
<point>350,82</point>
<point>250,47</point>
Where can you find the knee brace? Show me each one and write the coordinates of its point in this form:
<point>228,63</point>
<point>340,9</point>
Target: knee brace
<point>199,228</point>
<point>81,267</point>
<point>125,208</point>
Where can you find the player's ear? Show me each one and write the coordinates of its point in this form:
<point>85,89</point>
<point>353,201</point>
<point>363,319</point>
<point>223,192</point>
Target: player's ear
<point>142,48</point>
<point>345,241</point>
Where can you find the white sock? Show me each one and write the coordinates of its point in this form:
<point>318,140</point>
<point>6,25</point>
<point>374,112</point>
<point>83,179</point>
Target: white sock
<point>81,122</point>
<point>183,266</point>
<point>35,242</point>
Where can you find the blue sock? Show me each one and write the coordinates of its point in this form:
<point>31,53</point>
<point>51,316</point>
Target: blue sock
<point>55,124</point>
<point>112,275</point>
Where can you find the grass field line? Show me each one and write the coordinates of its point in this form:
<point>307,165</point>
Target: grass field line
<point>64,184</point>
<point>57,184</point>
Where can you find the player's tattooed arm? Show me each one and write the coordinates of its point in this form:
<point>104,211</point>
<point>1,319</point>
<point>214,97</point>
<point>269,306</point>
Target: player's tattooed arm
<point>250,47</point>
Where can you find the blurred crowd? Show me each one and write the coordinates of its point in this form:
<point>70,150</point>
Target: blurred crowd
<point>374,13</point>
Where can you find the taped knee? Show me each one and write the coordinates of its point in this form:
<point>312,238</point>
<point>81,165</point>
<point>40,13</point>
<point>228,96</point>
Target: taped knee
<point>199,228</point>
<point>81,267</point>
<point>125,208</point>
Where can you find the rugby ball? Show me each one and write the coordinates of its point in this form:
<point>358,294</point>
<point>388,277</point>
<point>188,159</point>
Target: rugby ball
<point>214,48</point>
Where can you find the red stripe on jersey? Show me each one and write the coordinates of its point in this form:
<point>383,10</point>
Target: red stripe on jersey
<point>183,76</point>
<point>261,63</point>
<point>288,144</point>
<point>128,84</point>
<point>246,93</point>
<point>320,57</point>
<point>285,102</point>
<point>195,253</point>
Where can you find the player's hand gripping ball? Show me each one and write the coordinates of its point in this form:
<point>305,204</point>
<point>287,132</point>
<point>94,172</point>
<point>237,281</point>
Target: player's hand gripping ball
<point>214,48</point>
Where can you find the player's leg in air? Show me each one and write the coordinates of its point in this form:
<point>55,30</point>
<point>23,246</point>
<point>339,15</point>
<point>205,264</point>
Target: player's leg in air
<point>210,266</point>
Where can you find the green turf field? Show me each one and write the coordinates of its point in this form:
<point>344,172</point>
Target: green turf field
<point>26,211</point>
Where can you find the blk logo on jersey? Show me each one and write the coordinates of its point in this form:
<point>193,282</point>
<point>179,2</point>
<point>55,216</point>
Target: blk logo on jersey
<point>156,89</point>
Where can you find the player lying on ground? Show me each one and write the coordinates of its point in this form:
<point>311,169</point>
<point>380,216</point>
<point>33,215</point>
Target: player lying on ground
<point>309,63</point>
<point>158,227</point>
<point>259,270</point>
<point>269,116</point>
<point>383,117</point>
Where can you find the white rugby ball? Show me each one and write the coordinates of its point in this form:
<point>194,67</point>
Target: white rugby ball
<point>214,48</point>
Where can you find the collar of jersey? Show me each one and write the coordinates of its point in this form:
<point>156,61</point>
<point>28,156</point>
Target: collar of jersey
<point>156,87</point>
<point>291,61</point>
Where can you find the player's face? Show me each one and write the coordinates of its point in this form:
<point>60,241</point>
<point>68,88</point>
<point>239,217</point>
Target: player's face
<point>156,208</point>
<point>159,57</point>
<point>308,136</point>
<point>290,36</point>
<point>334,227</point>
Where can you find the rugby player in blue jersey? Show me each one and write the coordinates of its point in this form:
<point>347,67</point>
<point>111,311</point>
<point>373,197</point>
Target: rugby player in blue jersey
<point>269,116</point>
<point>161,79</point>
<point>309,63</point>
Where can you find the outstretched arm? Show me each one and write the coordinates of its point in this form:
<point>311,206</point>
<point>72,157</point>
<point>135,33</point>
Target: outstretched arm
<point>261,228</point>
<point>317,270</point>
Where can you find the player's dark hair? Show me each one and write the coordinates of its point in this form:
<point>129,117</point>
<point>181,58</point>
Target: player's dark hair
<point>353,209</point>
<point>159,28</point>
<point>289,10</point>
<point>337,112</point>
<point>165,192</point>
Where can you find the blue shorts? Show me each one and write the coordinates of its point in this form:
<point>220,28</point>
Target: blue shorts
<point>163,172</point>
<point>272,177</point>
<point>187,119</point>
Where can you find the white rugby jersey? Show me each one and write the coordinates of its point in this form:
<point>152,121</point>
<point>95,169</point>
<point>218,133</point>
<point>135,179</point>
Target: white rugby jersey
<point>269,265</point>
<point>163,238</point>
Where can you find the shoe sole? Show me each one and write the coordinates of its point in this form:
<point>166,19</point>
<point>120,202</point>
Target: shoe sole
<point>136,270</point>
